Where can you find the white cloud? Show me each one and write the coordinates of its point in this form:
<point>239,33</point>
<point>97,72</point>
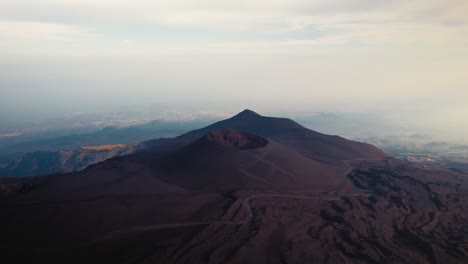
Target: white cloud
<point>416,20</point>
<point>204,26</point>
<point>245,15</point>
<point>39,31</point>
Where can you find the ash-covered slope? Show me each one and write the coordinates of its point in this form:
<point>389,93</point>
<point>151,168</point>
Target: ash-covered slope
<point>249,189</point>
<point>313,144</point>
<point>194,184</point>
<point>229,160</point>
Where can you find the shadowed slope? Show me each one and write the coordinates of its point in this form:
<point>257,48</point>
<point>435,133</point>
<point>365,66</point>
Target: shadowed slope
<point>128,191</point>
<point>333,149</point>
<point>228,159</point>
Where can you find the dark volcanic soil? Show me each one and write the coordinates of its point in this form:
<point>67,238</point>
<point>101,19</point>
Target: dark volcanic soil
<point>237,197</point>
<point>240,140</point>
<point>405,214</point>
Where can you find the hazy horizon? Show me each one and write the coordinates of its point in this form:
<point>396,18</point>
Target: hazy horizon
<point>407,59</point>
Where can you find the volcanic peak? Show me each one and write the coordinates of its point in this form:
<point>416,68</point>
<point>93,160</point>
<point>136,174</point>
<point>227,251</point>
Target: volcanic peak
<point>247,113</point>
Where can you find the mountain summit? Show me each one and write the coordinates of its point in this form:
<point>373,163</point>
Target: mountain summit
<point>310,143</point>
<point>246,114</point>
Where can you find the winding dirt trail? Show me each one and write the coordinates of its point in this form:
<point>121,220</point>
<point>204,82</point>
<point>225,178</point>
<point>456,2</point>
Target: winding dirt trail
<point>245,204</point>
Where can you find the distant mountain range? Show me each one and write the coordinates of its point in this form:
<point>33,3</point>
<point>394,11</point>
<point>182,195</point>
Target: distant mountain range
<point>66,153</point>
<point>107,135</point>
<point>248,189</point>
<point>50,162</point>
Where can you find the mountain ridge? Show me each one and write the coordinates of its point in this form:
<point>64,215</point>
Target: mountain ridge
<point>283,130</point>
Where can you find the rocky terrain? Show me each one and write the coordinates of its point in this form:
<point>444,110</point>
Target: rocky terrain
<point>249,189</point>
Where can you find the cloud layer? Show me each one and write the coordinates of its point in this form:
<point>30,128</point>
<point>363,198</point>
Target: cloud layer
<point>98,24</point>
<point>339,52</point>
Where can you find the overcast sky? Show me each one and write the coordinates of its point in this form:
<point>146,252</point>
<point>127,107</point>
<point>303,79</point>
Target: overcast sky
<point>64,55</point>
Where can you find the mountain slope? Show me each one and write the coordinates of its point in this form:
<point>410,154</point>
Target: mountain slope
<point>288,132</point>
<point>50,162</point>
<point>330,149</point>
<point>229,160</point>
<point>230,196</point>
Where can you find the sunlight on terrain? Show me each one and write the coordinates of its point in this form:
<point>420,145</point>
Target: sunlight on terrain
<point>104,147</point>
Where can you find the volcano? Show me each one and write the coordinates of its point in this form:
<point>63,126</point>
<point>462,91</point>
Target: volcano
<point>248,189</point>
